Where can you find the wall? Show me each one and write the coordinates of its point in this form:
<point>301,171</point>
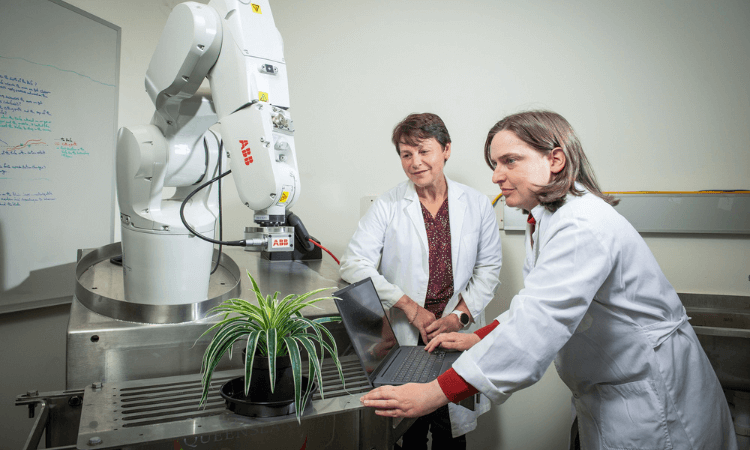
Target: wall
<point>656,90</point>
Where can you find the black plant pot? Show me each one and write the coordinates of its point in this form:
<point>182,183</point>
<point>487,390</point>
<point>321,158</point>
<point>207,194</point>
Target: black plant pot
<point>260,402</point>
<point>260,382</point>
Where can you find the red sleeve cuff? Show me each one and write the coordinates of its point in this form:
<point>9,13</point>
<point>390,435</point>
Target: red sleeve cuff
<point>454,387</point>
<point>484,331</point>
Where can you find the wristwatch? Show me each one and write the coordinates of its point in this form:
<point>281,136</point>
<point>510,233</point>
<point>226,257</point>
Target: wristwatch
<point>462,317</point>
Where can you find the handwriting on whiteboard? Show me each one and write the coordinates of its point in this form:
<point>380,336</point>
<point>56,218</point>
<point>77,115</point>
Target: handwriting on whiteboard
<point>12,199</point>
<point>21,103</point>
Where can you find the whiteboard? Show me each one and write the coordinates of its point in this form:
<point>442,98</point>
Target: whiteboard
<point>59,69</point>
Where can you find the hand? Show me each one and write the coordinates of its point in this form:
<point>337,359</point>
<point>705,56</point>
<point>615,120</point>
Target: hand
<point>417,315</point>
<point>446,324</point>
<point>423,320</point>
<point>453,341</point>
<point>409,400</point>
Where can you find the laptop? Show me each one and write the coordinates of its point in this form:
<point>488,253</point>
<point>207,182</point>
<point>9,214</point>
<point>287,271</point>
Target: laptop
<point>385,361</point>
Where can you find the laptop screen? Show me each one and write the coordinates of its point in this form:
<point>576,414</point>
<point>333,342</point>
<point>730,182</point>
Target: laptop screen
<point>366,323</point>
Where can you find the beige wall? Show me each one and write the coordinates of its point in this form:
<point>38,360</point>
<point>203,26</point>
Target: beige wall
<point>657,91</point>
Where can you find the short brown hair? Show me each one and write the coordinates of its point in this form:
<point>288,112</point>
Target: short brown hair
<point>544,131</point>
<point>416,128</point>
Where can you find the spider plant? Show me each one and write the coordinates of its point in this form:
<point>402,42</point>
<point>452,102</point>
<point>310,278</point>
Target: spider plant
<point>272,328</point>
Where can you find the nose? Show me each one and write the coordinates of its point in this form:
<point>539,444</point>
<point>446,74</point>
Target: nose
<point>416,160</point>
<point>498,175</point>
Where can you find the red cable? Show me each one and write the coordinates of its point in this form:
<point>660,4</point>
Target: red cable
<point>329,252</point>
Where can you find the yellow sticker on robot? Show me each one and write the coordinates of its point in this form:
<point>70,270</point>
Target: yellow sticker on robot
<point>263,96</point>
<point>284,197</point>
<point>256,8</point>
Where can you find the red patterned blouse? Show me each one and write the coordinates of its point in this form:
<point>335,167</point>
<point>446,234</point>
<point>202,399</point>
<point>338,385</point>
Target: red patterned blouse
<point>440,284</point>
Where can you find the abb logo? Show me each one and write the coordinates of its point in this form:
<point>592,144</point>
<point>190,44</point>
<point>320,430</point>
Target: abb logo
<point>246,152</point>
<point>280,243</point>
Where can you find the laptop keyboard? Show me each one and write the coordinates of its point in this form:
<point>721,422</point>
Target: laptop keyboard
<point>420,366</point>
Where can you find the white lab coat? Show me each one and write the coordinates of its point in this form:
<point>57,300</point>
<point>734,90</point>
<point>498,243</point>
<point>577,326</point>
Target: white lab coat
<point>596,301</point>
<point>390,246</point>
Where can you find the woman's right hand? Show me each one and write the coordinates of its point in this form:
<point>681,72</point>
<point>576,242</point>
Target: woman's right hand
<point>422,320</point>
<point>453,341</point>
<point>416,315</point>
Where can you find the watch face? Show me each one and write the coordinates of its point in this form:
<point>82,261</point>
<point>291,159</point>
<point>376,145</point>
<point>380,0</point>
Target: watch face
<point>464,318</point>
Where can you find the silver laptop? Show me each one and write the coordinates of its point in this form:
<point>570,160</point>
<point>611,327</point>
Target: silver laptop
<point>385,361</point>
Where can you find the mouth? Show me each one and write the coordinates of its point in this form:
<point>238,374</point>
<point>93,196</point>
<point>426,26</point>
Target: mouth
<point>506,191</point>
<point>419,173</point>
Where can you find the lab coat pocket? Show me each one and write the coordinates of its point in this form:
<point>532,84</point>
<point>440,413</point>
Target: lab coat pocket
<point>632,417</point>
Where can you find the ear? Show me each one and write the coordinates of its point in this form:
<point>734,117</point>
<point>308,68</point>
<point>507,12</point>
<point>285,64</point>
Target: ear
<point>447,151</point>
<point>556,160</point>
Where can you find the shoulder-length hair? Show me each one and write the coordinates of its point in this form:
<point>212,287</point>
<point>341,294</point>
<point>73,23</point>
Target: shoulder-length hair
<point>544,131</point>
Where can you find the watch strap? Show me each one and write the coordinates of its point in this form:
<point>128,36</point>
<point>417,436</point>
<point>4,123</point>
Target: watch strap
<point>460,314</point>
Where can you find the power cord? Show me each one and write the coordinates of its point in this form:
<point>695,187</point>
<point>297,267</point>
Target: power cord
<point>327,251</point>
<point>198,189</point>
<point>218,185</point>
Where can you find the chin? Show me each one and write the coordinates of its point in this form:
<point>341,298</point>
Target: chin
<point>510,202</point>
<point>513,204</point>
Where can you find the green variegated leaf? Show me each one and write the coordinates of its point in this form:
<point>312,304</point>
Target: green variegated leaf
<point>206,380</point>
<point>308,294</point>
<point>332,349</point>
<point>312,361</point>
<point>327,319</point>
<point>325,347</point>
<point>271,346</point>
<point>252,343</point>
<point>308,393</point>
<point>296,373</point>
<point>325,331</point>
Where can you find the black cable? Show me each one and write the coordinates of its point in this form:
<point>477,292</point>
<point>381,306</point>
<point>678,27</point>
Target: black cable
<point>190,229</point>
<point>218,185</point>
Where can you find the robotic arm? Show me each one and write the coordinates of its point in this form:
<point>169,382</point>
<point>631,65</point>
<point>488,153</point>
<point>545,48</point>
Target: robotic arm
<point>236,46</point>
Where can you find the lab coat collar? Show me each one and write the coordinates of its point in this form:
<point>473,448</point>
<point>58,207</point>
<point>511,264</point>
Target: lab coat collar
<point>456,213</point>
<point>413,209</point>
<point>539,211</point>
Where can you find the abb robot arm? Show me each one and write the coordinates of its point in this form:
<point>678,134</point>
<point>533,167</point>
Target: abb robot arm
<point>236,46</point>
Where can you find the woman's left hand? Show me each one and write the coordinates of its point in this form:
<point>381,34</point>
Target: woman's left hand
<point>446,324</point>
<point>409,400</point>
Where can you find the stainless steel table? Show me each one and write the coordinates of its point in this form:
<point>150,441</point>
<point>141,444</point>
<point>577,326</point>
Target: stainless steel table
<point>163,413</point>
<point>133,378</point>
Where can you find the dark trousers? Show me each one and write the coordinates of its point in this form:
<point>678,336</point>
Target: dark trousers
<point>438,423</point>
